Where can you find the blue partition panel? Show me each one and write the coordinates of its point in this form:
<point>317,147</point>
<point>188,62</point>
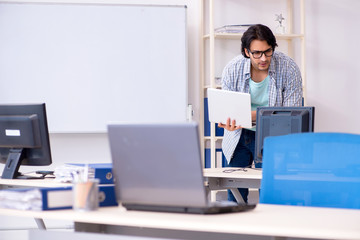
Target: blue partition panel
<point>312,169</point>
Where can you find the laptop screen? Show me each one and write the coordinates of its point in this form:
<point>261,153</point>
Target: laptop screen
<point>157,164</point>
<point>225,104</point>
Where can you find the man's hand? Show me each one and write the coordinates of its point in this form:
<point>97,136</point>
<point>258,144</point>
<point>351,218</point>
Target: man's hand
<point>230,125</point>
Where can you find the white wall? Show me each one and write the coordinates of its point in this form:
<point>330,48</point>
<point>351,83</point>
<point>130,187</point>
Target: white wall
<point>332,33</point>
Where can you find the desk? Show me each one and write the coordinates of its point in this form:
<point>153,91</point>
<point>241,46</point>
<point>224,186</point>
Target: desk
<point>47,182</point>
<point>217,179</point>
<point>264,221</point>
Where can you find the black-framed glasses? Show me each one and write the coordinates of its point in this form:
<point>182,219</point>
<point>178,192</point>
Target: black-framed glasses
<point>258,54</point>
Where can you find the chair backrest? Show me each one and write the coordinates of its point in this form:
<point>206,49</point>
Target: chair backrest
<point>312,169</point>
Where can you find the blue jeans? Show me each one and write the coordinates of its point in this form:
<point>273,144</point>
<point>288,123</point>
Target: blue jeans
<point>243,157</point>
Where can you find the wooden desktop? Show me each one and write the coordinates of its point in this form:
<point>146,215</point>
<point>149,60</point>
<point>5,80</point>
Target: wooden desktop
<point>264,220</point>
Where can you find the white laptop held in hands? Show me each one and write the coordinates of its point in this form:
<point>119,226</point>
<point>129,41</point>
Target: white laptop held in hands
<point>223,104</point>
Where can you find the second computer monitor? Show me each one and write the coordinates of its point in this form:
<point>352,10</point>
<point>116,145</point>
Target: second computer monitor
<point>276,121</point>
<point>24,138</point>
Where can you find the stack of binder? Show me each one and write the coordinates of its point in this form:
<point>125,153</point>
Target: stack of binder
<point>36,199</point>
<point>101,171</point>
<point>39,199</point>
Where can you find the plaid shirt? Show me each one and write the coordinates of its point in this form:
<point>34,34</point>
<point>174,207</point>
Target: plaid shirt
<point>285,88</point>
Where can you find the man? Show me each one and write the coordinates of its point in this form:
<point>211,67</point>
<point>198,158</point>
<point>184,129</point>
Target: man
<point>271,78</point>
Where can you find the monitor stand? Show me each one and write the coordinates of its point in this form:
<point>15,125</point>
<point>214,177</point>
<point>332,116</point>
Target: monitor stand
<point>11,169</point>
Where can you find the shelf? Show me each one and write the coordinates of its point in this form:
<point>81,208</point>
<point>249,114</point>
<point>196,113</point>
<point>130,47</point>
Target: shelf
<point>208,86</point>
<point>215,138</point>
<point>211,39</point>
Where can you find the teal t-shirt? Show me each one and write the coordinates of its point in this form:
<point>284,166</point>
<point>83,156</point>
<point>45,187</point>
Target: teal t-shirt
<point>259,92</point>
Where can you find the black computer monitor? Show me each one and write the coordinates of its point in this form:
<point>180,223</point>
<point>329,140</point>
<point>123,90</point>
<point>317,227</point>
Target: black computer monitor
<point>276,121</point>
<point>24,138</point>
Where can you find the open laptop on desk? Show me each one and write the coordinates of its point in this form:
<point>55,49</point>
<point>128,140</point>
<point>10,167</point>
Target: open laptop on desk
<point>157,167</point>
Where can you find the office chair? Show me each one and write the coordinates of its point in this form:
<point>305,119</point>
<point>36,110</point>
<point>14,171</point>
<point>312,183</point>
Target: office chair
<point>312,169</point>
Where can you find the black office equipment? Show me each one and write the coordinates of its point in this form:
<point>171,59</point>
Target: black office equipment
<point>24,138</point>
<point>276,121</point>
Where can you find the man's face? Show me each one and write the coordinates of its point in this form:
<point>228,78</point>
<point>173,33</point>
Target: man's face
<point>260,53</point>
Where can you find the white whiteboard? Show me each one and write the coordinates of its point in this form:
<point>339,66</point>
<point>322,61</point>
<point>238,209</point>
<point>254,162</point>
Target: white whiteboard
<point>95,63</point>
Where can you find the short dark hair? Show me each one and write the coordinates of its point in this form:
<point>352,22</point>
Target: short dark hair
<point>257,32</point>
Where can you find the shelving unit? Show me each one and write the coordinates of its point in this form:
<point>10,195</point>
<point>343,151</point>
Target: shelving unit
<point>208,41</point>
